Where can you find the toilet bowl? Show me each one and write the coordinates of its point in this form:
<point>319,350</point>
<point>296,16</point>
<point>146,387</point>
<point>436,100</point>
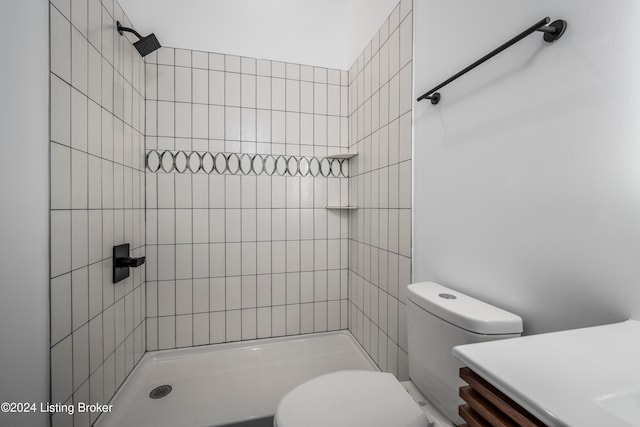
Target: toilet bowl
<point>350,398</point>
<point>438,319</point>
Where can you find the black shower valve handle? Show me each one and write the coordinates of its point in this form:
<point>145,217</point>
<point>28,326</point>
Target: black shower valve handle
<point>130,262</point>
<point>122,262</point>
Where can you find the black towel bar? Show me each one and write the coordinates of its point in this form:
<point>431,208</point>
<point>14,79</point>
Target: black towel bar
<point>552,32</point>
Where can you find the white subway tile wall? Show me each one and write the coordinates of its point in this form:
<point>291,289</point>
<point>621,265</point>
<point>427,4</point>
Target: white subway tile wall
<point>243,256</point>
<point>380,120</point>
<point>97,200</point>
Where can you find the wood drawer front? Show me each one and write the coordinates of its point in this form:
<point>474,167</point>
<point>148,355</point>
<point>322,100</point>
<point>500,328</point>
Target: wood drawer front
<point>494,407</point>
<point>472,418</point>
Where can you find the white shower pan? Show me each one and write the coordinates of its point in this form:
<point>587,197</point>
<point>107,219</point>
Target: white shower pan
<point>222,384</point>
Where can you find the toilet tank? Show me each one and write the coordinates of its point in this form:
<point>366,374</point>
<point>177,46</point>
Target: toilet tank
<point>439,319</point>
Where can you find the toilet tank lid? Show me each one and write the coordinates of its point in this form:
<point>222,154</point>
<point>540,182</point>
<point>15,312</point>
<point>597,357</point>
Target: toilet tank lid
<point>463,311</point>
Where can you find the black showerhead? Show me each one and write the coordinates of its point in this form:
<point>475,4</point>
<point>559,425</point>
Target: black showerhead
<point>145,45</point>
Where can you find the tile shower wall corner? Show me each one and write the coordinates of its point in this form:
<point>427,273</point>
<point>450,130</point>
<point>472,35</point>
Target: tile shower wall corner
<point>380,127</point>
<point>97,200</point>
<point>239,243</point>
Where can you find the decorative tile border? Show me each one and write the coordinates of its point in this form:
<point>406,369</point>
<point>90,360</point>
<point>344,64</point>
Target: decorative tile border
<point>168,161</point>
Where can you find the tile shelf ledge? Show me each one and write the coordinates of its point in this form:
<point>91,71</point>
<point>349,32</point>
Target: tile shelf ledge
<point>342,155</point>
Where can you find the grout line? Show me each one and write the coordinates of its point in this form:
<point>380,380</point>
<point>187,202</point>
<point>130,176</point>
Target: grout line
<point>71,281</point>
<point>208,340</point>
<point>192,213</point>
<point>224,112</point>
<point>255,125</point>
<point>175,226</point>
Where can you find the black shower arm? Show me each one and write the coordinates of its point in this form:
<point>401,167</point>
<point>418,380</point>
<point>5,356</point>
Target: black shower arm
<point>129,30</point>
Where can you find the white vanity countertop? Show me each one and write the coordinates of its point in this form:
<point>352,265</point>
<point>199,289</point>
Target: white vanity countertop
<point>581,377</point>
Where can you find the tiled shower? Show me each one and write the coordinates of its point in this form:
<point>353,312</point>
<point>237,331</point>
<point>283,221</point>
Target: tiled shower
<point>218,169</point>
<point>97,200</point>
<point>380,118</point>
<point>240,246</point>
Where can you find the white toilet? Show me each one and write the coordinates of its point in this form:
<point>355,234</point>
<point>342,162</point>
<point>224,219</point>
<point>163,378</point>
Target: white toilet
<point>438,319</point>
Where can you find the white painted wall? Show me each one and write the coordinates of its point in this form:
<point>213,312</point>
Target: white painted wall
<point>527,174</point>
<point>24,171</point>
<point>303,31</point>
<point>326,33</point>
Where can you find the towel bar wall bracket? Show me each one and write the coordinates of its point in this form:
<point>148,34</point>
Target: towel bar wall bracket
<point>552,32</point>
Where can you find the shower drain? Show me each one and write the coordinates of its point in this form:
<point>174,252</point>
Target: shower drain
<point>160,391</point>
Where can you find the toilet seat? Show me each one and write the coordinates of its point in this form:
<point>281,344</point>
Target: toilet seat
<point>350,399</point>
